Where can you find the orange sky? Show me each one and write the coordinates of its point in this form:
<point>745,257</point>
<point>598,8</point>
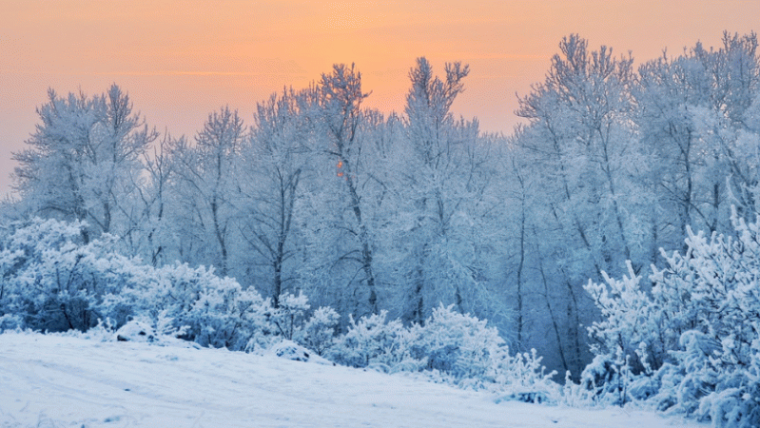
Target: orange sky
<point>180,60</point>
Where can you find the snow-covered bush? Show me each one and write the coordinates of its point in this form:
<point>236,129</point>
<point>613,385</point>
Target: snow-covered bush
<point>54,281</point>
<point>10,322</point>
<point>373,341</point>
<point>318,333</point>
<point>610,379</point>
<point>693,342</point>
<point>460,345</point>
<point>473,355</point>
<point>288,317</point>
<point>210,310</point>
<point>522,377</point>
<point>451,347</point>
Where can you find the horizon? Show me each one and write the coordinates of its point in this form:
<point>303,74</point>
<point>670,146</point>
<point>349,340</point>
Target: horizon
<point>181,61</point>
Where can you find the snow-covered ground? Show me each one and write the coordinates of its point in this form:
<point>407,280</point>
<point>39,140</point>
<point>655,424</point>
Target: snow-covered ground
<point>56,381</point>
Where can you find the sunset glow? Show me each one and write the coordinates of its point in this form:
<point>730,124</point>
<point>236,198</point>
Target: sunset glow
<point>179,60</point>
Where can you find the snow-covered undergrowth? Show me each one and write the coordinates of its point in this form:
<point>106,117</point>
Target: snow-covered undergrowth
<point>689,345</point>
<point>450,347</point>
<point>55,281</point>
<point>56,381</point>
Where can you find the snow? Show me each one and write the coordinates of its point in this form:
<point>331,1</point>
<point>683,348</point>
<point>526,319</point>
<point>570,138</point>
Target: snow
<point>65,381</point>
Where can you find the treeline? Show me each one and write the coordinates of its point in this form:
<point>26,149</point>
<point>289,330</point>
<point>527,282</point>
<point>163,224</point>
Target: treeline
<point>365,212</point>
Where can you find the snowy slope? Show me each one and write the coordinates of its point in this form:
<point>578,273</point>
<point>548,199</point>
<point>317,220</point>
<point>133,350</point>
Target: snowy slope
<point>55,381</point>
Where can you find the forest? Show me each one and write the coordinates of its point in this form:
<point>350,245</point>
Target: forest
<point>614,231</point>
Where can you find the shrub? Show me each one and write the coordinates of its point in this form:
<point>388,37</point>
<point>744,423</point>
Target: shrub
<point>697,331</point>
<point>319,332</point>
<point>288,317</point>
<point>53,281</point>
<point>451,347</point>
<point>375,342</point>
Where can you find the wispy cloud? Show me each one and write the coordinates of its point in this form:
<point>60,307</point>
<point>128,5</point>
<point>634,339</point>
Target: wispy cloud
<point>197,73</point>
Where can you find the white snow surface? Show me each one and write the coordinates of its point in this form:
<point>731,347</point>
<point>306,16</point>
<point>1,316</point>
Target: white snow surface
<point>65,381</point>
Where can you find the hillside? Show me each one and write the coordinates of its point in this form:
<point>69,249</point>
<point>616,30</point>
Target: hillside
<point>64,381</point>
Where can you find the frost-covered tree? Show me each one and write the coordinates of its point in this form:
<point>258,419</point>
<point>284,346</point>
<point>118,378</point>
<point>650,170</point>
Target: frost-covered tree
<point>205,182</point>
<point>443,177</point>
<point>346,173</point>
<point>154,230</point>
<point>83,161</point>
<point>580,135</point>
<point>694,112</point>
<point>276,162</point>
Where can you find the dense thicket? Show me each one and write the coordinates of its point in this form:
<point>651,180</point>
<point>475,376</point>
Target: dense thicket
<point>691,343</point>
<point>367,213</point>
